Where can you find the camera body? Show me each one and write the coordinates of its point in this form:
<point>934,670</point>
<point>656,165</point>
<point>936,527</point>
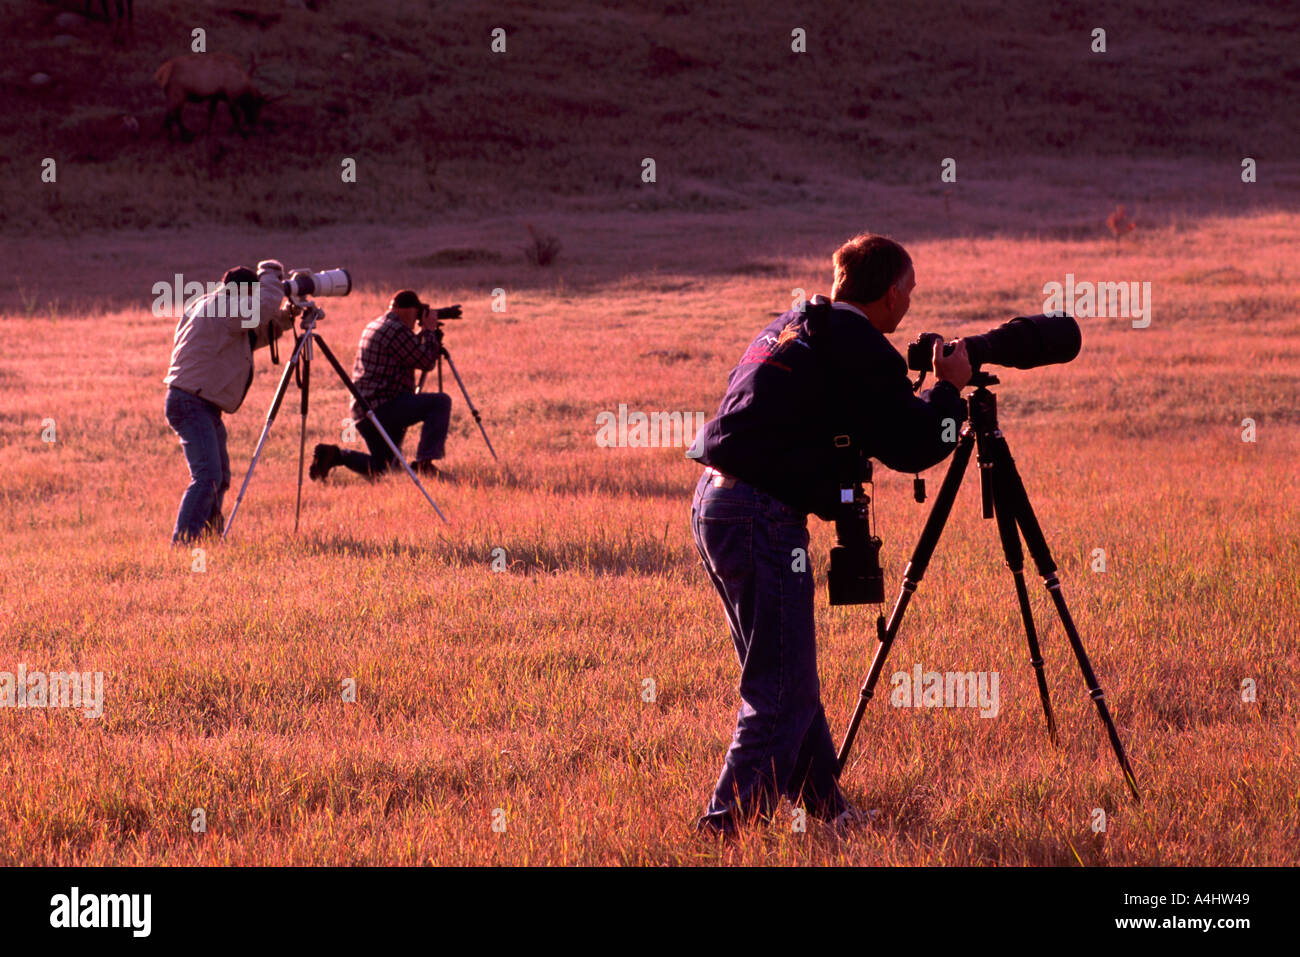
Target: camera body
<point>854,576</point>
<point>920,352</point>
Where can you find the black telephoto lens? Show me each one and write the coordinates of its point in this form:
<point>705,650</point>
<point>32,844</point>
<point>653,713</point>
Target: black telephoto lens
<point>1027,342</point>
<point>1024,342</point>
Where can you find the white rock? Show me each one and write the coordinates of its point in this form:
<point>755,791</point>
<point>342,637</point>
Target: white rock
<point>40,79</point>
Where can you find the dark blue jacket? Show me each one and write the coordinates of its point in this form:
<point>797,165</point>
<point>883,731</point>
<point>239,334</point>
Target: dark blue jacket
<point>784,402</point>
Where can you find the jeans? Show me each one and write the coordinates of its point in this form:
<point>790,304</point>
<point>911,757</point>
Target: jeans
<point>433,409</point>
<point>782,744</point>
<point>203,439</point>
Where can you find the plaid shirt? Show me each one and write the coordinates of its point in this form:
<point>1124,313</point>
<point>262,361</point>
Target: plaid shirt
<point>387,358</point>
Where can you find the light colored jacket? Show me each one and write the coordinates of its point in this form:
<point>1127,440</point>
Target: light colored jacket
<point>212,352</point>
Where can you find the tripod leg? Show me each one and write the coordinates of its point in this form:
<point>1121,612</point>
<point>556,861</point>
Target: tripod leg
<point>305,386</point>
<point>437,333</point>
<point>911,578</point>
<point>468,403</point>
<point>1024,513</point>
<point>374,419</point>
<point>1015,556</point>
<point>266,429</point>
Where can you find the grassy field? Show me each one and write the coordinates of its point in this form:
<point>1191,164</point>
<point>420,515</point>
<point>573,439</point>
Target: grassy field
<point>522,691</point>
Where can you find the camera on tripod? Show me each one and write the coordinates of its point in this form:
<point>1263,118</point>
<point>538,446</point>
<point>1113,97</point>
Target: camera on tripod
<point>855,576</point>
<point>1023,343</point>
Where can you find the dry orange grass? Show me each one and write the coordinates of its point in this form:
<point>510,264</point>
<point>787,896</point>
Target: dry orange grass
<point>521,690</point>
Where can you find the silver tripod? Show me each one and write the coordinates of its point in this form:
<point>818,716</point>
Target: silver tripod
<point>299,365</point>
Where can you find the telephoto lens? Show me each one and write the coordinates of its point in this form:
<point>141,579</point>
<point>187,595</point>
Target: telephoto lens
<point>331,282</point>
<point>1025,342</point>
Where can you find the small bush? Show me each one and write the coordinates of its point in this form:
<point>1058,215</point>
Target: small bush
<point>543,249</point>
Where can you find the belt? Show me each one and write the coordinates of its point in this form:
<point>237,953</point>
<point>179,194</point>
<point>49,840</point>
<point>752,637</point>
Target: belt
<point>719,479</point>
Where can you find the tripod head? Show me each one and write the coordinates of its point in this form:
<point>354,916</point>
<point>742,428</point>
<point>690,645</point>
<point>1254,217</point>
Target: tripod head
<point>442,350</point>
<point>308,314</point>
<point>983,405</point>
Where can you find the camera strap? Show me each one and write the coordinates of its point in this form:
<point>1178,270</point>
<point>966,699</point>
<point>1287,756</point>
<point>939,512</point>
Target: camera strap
<point>852,465</point>
<point>272,340</point>
<point>847,454</point>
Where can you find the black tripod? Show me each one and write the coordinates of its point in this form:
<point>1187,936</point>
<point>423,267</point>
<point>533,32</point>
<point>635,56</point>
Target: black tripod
<point>1004,496</point>
<point>299,365</point>
<point>444,354</point>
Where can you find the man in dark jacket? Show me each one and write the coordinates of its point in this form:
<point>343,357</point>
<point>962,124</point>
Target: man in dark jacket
<point>814,373</point>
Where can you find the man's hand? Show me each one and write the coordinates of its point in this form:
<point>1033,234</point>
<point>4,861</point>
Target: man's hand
<point>953,367</point>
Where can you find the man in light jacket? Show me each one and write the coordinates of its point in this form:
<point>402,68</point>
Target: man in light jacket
<point>211,370</point>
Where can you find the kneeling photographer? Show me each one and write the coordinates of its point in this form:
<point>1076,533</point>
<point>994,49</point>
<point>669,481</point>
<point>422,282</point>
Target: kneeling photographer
<point>384,373</point>
<point>210,373</point>
<point>817,393</point>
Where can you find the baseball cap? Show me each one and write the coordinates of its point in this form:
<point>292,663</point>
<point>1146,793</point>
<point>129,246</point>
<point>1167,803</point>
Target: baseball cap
<point>406,299</point>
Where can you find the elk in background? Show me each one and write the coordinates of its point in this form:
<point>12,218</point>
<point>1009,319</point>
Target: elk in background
<point>210,78</point>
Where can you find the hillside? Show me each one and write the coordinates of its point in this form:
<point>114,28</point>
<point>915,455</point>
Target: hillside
<point>439,124</point>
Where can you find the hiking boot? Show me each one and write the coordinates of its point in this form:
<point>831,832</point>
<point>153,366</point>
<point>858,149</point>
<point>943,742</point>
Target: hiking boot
<point>716,827</point>
<point>323,458</point>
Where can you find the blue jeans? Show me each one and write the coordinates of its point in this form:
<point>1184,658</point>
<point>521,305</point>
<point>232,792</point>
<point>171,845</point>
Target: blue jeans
<point>203,439</point>
<point>432,409</point>
<point>782,744</point>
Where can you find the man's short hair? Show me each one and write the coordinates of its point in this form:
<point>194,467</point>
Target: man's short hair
<point>866,266</point>
<point>239,275</point>
<point>406,299</point>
